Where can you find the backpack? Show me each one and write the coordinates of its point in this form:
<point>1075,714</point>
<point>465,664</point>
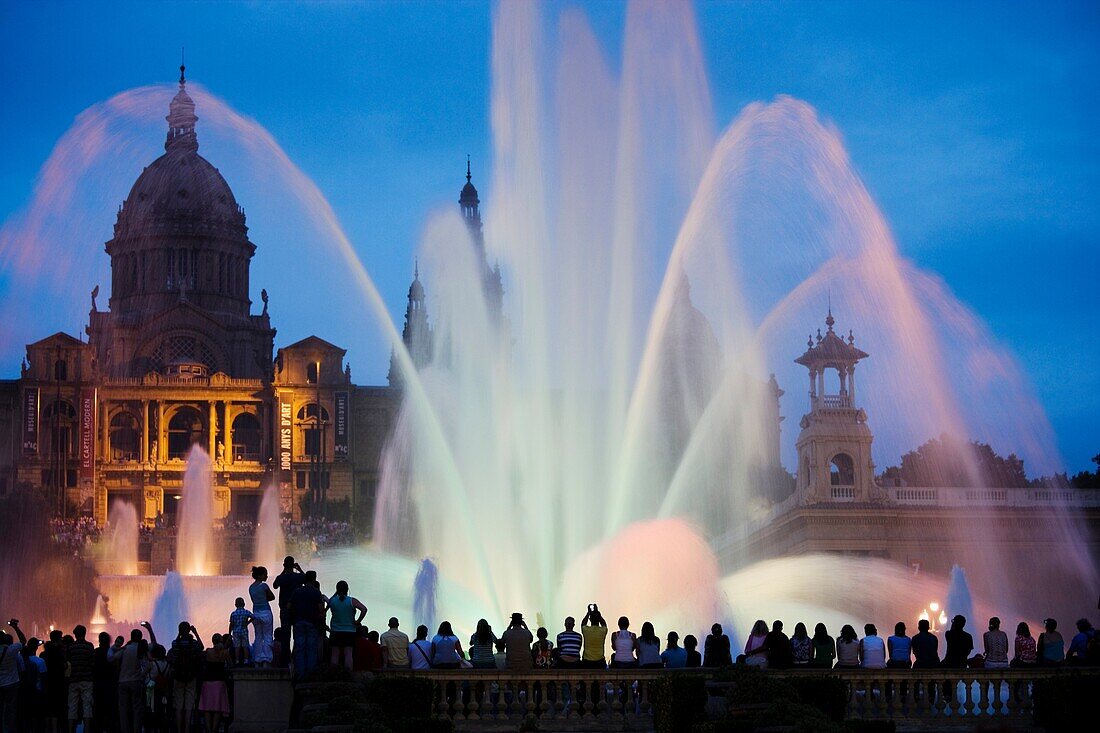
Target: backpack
<point>161,680</point>
<point>186,662</point>
<point>544,655</point>
<point>1092,648</point>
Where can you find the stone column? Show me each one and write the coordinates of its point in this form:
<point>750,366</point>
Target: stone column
<point>212,430</point>
<point>162,434</point>
<point>104,431</point>
<point>228,423</point>
<point>852,384</point>
<point>144,431</point>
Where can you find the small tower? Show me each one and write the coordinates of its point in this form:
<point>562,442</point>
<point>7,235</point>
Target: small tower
<point>468,202</point>
<point>834,447</point>
<point>417,334</point>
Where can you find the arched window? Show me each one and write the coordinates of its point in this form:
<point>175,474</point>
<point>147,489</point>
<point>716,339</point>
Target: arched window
<point>309,430</point>
<point>59,428</point>
<point>184,430</point>
<point>125,437</point>
<point>246,437</point>
<point>842,470</point>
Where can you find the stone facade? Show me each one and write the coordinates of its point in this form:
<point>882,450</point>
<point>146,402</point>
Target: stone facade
<point>178,359</point>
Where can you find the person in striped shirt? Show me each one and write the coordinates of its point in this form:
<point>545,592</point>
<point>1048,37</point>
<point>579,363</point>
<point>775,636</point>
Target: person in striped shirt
<point>569,645</point>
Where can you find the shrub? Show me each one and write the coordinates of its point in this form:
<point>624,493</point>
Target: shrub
<point>827,694</point>
<point>870,726</point>
<point>401,698</point>
<point>678,701</point>
<point>1066,702</point>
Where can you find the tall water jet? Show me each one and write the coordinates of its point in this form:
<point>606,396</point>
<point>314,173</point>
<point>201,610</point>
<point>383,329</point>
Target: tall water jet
<point>270,544</point>
<point>195,535</point>
<point>959,601</point>
<point>171,606</point>
<point>424,590</point>
<point>121,546</point>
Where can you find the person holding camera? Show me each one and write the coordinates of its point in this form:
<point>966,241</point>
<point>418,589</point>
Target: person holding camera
<point>594,633</point>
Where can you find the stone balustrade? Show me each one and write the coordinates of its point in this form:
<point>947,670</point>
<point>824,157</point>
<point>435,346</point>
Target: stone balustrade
<point>597,698</point>
<point>937,694</point>
<point>612,699</point>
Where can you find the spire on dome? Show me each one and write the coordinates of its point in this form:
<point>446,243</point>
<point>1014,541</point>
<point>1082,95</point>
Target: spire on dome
<point>182,118</point>
<point>467,167</point>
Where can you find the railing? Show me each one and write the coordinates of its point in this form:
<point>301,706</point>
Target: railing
<point>598,698</point>
<point>937,694</point>
<point>835,401</point>
<point>611,698</point>
<point>977,496</point>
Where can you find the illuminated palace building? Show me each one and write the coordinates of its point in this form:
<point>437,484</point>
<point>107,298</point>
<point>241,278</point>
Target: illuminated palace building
<point>178,358</point>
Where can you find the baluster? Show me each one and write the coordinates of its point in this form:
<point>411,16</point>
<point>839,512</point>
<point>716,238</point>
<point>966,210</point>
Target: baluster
<point>529,694</point>
<point>503,698</point>
<point>853,699</point>
<point>983,697</point>
<point>969,705</point>
<point>942,693</point>
<point>644,705</point>
<point>1013,696</point>
<point>473,691</point>
<point>441,702</point>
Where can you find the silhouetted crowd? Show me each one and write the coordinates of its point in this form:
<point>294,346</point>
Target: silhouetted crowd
<point>139,684</point>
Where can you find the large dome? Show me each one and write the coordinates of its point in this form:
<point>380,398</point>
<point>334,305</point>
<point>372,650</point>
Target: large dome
<point>180,187</point>
<point>180,192</point>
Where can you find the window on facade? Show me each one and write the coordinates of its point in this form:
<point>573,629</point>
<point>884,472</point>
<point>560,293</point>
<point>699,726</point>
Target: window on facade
<point>59,428</point>
<point>125,437</point>
<point>311,373</point>
<point>309,431</point>
<point>246,437</point>
<point>842,470</point>
<point>60,370</point>
<point>184,430</point>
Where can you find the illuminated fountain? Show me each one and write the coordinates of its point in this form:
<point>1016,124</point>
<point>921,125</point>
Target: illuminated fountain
<point>194,591</point>
<point>596,438</point>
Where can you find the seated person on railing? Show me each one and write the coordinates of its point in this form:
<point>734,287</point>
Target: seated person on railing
<point>649,648</point>
<point>802,648</point>
<point>446,648</point>
<point>900,647</point>
<point>420,651</point>
<point>847,648</point>
<point>1025,654</point>
<point>756,649</point>
<point>694,658</point>
<point>959,644</point>
<point>872,649</point>
<point>779,647</point>
<point>1084,648</point>
<point>716,648</point>
<point>517,640</point>
<point>594,631</point>
<point>995,642</point>
<point>624,643</point>
<point>1051,647</point>
<point>569,645</point>
<point>482,644</point>
<point>674,656</point>
<point>926,647</point>
<point>824,648</point>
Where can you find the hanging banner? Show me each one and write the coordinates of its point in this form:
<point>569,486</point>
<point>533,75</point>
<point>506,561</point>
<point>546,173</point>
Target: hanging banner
<point>30,421</point>
<point>286,430</point>
<point>341,446</point>
<point>87,434</point>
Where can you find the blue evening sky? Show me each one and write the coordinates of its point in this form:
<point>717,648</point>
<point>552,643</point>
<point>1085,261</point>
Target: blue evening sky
<point>973,125</point>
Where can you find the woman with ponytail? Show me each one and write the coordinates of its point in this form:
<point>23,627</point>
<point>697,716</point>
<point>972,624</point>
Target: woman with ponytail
<point>343,623</point>
<point>262,619</point>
